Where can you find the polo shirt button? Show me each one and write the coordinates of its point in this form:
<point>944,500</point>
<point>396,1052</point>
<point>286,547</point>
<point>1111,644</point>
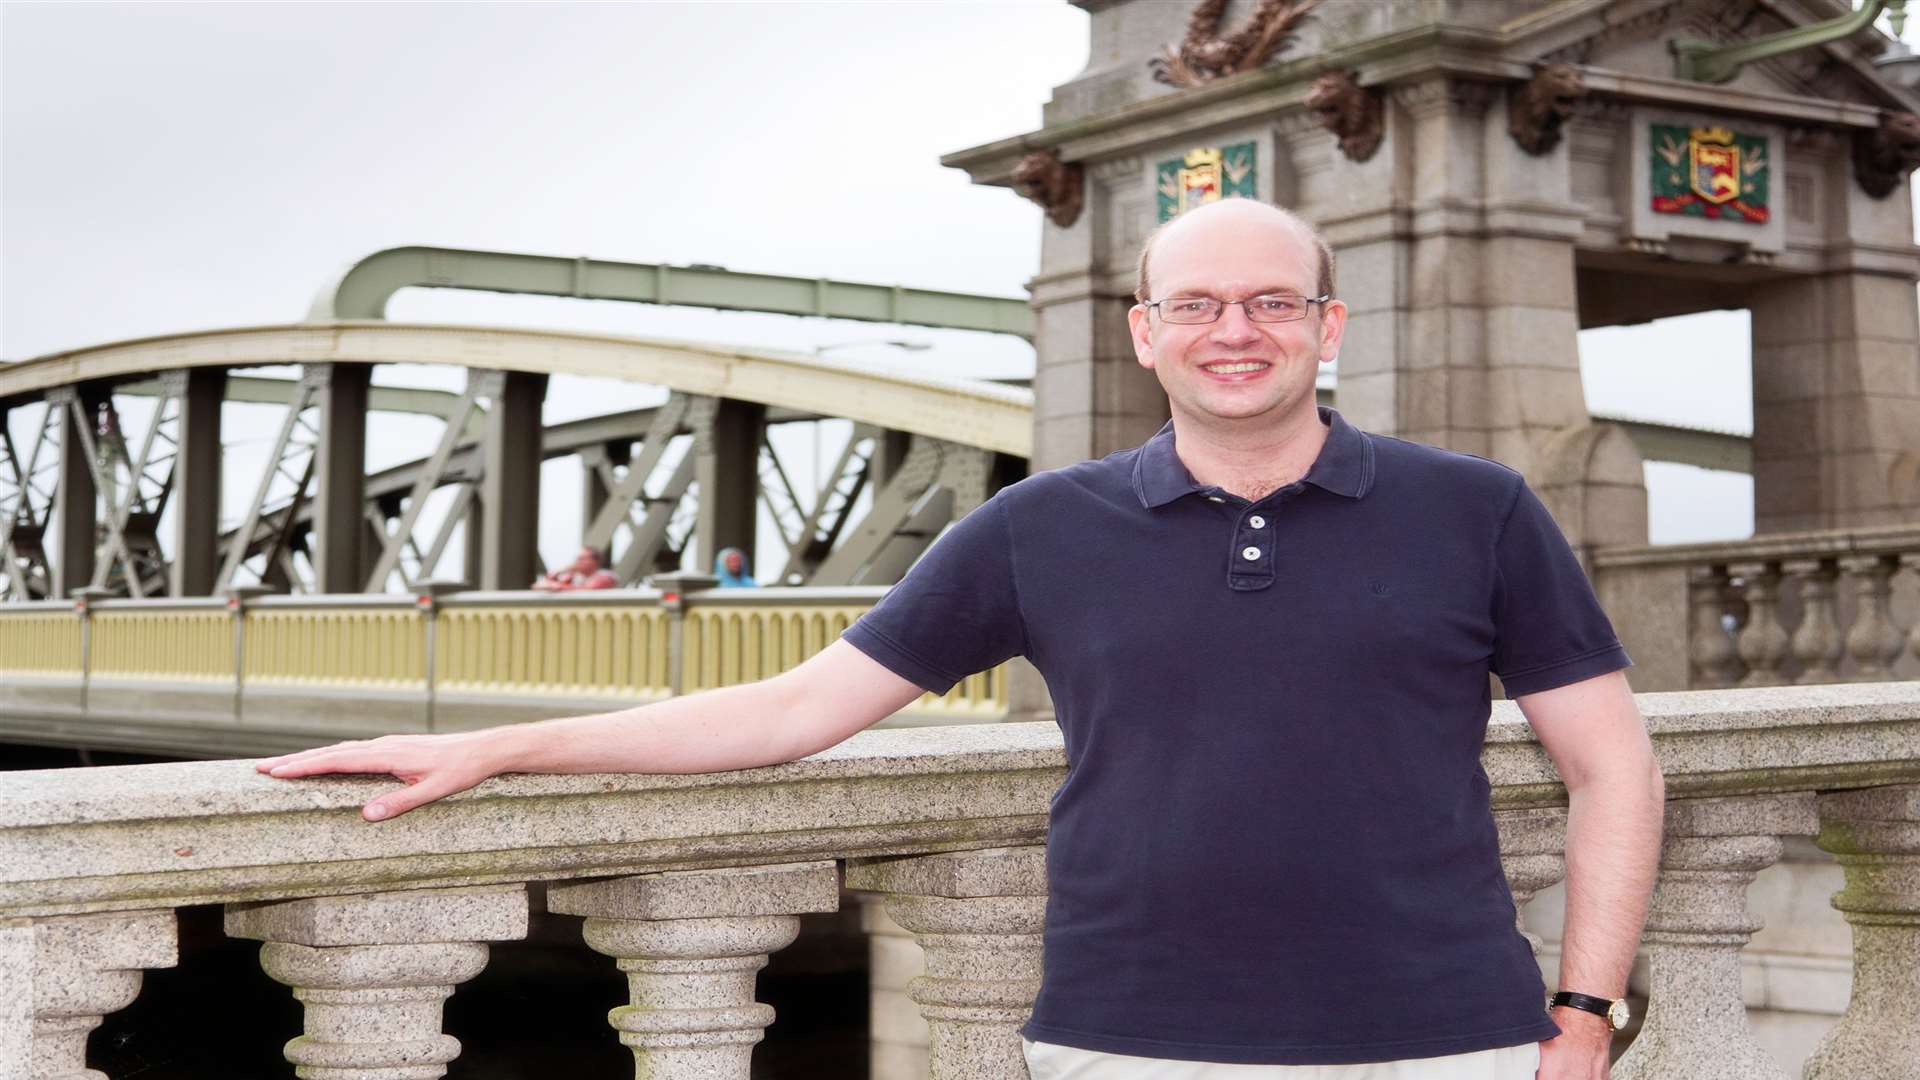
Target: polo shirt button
<point>1250,553</point>
<point>1215,498</point>
<point>1257,521</point>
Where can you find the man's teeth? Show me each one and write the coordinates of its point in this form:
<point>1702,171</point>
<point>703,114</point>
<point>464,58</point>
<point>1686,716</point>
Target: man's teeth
<point>1235,369</point>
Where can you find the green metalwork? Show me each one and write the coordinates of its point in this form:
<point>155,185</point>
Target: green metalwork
<point>362,292</point>
<point>1704,61</point>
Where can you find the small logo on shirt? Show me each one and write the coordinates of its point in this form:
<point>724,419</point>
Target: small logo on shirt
<point>1379,588</point>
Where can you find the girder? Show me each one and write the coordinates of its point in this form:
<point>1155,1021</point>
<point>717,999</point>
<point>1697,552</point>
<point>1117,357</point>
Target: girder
<point>364,288</point>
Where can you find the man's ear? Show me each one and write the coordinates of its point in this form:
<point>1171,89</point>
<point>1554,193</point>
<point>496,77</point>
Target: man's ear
<point>1333,328</point>
<point>1141,325</point>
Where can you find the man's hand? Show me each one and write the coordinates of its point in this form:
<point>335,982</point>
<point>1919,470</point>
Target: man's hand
<point>433,766</point>
<point>834,693</point>
<point>1580,1051</point>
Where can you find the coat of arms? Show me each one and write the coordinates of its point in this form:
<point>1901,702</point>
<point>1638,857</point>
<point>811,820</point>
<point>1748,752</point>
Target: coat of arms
<point>1710,172</point>
<point>1204,175</point>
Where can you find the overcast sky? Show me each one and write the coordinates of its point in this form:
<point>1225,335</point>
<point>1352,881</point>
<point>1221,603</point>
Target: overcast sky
<point>168,167</point>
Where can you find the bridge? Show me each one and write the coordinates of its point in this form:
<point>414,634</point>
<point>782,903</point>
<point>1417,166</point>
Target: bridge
<point>1494,177</point>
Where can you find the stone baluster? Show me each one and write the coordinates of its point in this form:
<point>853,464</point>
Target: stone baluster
<point>1875,836</point>
<point>84,967</point>
<point>1874,641</point>
<point>690,943</point>
<point>1818,643</point>
<point>898,1033</point>
<point>1710,596</point>
<point>16,998</point>
<point>1533,852</point>
<point>1696,1023</point>
<point>374,971</point>
<point>1764,643</point>
<point>978,917</point>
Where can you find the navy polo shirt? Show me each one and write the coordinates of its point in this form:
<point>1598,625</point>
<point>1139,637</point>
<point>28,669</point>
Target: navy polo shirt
<point>1274,842</point>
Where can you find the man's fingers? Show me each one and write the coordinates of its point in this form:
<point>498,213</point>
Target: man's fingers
<point>344,760</point>
<point>400,800</point>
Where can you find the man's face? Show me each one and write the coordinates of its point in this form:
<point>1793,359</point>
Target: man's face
<point>1235,370</point>
<point>734,562</point>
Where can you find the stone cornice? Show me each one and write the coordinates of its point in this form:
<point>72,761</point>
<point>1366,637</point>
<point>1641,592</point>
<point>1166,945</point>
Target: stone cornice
<point>1421,54</point>
<point>168,835</point>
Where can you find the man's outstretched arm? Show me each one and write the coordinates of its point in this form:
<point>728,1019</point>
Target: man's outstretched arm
<point>1616,799</point>
<point>834,694</point>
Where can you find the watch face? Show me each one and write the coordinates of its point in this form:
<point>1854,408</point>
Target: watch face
<point>1618,1015</point>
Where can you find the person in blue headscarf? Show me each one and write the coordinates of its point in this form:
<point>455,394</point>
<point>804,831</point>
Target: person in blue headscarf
<point>731,568</point>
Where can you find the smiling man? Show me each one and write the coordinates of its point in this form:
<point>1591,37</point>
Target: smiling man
<point>1267,636</point>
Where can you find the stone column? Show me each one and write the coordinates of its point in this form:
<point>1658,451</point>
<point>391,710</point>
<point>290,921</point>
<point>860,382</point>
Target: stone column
<point>897,1031</point>
<point>1875,835</point>
<point>1696,1023</point>
<point>1533,852</point>
<point>978,915</point>
<point>690,943</point>
<point>374,971</point>
<point>16,998</point>
<point>84,967</point>
<point>1836,401</point>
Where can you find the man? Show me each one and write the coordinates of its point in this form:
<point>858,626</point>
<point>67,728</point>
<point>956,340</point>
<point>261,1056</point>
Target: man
<point>584,572</point>
<point>1267,637</point>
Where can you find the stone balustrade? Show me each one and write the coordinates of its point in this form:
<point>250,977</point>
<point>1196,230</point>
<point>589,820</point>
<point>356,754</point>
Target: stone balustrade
<point>689,882</point>
<point>1778,610</point>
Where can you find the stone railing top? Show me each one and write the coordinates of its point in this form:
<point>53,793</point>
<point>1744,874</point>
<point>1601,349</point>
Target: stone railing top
<point>167,835</point>
<point>1825,543</point>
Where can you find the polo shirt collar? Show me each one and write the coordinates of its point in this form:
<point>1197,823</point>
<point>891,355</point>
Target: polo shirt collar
<point>1344,467</point>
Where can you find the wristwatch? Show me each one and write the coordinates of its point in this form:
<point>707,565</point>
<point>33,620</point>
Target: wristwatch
<point>1615,1012</point>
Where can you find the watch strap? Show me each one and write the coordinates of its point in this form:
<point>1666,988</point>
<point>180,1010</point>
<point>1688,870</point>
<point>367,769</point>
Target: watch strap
<point>1584,1002</point>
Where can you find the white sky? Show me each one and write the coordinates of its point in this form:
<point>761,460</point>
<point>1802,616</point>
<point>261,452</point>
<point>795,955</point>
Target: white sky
<point>168,167</point>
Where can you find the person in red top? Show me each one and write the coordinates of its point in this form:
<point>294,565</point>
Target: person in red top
<point>584,572</point>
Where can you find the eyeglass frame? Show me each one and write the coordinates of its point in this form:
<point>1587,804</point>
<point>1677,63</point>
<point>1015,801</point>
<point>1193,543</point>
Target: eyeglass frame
<point>1244,309</point>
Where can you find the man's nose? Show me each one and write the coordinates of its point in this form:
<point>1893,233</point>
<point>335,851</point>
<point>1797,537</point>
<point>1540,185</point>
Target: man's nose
<point>1233,325</point>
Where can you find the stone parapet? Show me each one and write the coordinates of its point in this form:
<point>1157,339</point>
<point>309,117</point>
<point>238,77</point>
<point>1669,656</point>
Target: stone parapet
<point>689,881</point>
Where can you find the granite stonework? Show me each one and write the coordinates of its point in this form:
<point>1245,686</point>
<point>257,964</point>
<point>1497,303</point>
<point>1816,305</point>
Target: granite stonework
<point>1875,835</point>
<point>978,917</point>
<point>374,971</point>
<point>84,967</point>
<point>16,998</point>
<point>690,943</point>
<point>944,823</point>
<point>1696,1022</point>
<point>1469,263</point>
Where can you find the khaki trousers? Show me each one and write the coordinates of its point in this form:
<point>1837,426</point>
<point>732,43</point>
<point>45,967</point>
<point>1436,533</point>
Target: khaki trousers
<point>1050,1061</point>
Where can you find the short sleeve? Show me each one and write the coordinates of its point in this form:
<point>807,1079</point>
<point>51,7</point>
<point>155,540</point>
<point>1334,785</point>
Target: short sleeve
<point>956,612</point>
<point>1549,629</point>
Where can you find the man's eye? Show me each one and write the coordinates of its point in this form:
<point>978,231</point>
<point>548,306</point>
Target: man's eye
<point>1190,305</point>
<point>1277,305</point>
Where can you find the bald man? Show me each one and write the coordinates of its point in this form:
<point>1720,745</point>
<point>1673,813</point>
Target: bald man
<point>1267,637</point>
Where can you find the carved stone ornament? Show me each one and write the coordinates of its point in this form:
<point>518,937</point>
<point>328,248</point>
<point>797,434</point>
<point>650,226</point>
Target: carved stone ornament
<point>1352,114</point>
<point>1535,111</point>
<point>1883,157</point>
<point>1057,186</point>
<point>1205,55</point>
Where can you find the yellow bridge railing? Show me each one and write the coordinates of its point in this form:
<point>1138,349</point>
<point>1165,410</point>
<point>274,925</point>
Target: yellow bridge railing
<point>351,665</point>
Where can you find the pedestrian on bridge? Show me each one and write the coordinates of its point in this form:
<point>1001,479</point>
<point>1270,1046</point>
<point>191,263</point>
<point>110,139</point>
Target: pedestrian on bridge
<point>584,572</point>
<point>1267,637</point>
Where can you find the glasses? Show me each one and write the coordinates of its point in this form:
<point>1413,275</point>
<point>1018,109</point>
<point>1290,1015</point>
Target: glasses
<point>1279,307</point>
